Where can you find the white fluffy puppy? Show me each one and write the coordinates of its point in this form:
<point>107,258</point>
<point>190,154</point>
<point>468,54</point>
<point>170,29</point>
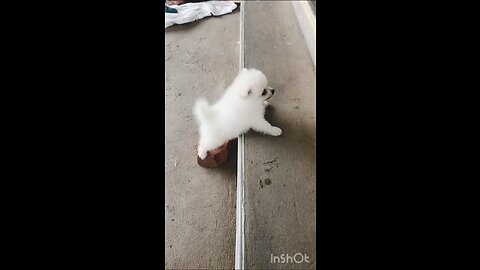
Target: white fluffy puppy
<point>240,109</point>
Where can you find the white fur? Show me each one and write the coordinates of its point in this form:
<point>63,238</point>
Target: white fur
<point>241,108</point>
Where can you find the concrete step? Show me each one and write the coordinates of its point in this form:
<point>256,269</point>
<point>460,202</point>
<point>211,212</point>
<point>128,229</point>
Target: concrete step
<point>200,59</point>
<point>280,187</point>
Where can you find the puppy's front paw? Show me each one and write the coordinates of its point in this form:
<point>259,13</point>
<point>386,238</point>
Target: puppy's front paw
<point>275,131</point>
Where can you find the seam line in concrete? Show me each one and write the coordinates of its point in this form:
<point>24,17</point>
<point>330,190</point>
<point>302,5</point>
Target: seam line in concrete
<point>240,215</point>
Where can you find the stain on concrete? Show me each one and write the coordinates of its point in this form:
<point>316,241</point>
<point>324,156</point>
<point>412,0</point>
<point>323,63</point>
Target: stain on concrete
<point>271,161</point>
<point>170,209</point>
<point>268,181</point>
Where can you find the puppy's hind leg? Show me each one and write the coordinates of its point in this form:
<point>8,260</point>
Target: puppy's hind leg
<point>205,146</point>
<point>265,127</point>
<point>202,153</point>
<point>202,148</point>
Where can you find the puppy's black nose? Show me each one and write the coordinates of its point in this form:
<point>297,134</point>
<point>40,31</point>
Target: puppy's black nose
<point>273,91</point>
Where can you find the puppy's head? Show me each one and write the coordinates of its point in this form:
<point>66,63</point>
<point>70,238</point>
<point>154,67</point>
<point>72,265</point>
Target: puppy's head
<point>254,85</point>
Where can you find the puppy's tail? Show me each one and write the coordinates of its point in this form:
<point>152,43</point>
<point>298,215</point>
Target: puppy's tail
<point>201,110</point>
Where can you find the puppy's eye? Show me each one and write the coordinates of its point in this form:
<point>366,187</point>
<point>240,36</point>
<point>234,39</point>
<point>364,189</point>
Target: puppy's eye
<point>264,92</point>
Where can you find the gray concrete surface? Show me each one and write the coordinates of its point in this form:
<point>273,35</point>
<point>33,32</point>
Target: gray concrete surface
<point>200,59</point>
<point>280,171</point>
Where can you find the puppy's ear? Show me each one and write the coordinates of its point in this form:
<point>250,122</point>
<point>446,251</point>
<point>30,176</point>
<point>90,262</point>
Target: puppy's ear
<point>246,93</point>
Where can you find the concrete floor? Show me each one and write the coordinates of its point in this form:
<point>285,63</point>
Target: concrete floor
<point>280,171</point>
<point>201,58</point>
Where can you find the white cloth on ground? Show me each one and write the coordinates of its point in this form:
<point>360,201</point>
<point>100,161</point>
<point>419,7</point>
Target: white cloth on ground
<point>190,12</point>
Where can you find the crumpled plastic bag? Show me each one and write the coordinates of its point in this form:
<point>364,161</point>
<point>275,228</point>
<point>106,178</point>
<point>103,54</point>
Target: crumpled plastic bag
<point>190,12</point>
